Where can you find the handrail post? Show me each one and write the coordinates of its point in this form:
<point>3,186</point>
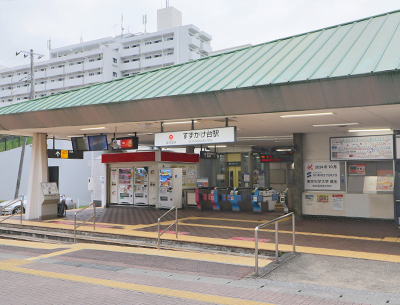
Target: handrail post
<point>94,216</point>
<point>159,233</point>
<point>20,208</point>
<point>294,233</point>
<point>276,242</point>
<point>75,228</point>
<point>256,250</point>
<point>176,219</point>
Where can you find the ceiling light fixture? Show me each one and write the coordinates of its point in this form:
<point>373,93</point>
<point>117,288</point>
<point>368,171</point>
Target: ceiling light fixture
<point>283,149</point>
<point>92,128</point>
<point>336,124</point>
<point>369,130</point>
<point>217,146</point>
<point>183,122</point>
<point>306,114</point>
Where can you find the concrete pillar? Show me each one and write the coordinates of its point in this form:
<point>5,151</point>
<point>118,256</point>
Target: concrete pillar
<point>38,172</point>
<point>298,175</point>
<point>190,149</point>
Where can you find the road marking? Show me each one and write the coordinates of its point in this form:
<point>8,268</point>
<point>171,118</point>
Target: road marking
<point>12,265</point>
<point>53,254</point>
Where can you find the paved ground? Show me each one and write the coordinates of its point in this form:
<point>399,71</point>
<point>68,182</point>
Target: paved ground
<point>341,262</point>
<point>37,273</point>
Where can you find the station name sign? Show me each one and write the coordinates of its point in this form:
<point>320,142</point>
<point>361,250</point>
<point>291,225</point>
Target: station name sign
<point>196,137</point>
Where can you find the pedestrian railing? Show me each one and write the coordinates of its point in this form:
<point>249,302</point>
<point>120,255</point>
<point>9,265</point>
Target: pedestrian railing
<point>19,209</point>
<point>82,223</point>
<point>276,221</point>
<point>174,223</point>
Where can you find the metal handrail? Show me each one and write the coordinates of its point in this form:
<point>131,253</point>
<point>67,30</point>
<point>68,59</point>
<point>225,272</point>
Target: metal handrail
<point>175,222</point>
<point>276,220</point>
<point>93,217</point>
<point>21,209</point>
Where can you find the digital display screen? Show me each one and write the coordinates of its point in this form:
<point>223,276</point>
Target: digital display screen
<point>127,143</point>
<point>277,157</point>
<point>80,143</point>
<point>98,142</point>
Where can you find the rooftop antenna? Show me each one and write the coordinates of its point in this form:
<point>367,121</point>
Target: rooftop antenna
<point>166,3</point>
<point>145,22</point>
<point>49,44</point>
<point>122,25</point>
<point>81,40</point>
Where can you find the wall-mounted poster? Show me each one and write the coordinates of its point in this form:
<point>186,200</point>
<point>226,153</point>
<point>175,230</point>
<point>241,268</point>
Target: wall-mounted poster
<point>323,198</point>
<point>322,176</point>
<point>362,148</point>
<point>337,202</point>
<point>357,169</point>
<point>385,183</point>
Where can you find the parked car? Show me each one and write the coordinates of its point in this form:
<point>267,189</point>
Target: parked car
<point>16,205</point>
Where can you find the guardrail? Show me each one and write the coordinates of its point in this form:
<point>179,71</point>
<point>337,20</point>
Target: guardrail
<point>276,220</point>
<point>93,217</point>
<point>175,222</point>
<point>21,209</point>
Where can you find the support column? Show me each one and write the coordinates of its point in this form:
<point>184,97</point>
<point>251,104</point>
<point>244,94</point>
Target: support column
<point>190,149</point>
<point>298,175</point>
<point>38,172</point>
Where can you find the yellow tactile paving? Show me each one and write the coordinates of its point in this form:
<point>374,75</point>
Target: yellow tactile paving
<point>12,266</point>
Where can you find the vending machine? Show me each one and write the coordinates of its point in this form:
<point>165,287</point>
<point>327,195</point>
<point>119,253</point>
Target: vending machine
<point>170,188</point>
<point>114,186</point>
<point>125,185</point>
<point>141,186</point>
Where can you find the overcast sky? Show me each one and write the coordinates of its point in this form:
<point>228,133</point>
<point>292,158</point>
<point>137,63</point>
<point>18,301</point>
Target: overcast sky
<point>29,24</point>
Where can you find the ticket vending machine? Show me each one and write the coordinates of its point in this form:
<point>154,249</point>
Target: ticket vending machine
<point>170,188</point>
<point>141,186</point>
<point>125,185</point>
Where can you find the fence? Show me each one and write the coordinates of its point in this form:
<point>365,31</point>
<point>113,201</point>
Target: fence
<point>11,142</point>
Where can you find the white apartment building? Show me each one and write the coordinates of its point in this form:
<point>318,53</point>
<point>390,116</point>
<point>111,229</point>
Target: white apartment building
<point>108,58</point>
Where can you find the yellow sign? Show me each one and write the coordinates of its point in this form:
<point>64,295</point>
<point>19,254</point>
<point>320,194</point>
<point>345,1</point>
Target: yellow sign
<point>64,154</point>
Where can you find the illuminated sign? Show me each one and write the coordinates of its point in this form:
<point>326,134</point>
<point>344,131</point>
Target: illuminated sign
<point>277,157</point>
<point>195,137</point>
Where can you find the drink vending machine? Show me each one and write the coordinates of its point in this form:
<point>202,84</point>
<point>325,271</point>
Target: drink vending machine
<point>125,185</point>
<point>170,188</point>
<point>141,186</point>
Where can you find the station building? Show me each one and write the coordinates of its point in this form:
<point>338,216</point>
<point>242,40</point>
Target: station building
<point>330,97</point>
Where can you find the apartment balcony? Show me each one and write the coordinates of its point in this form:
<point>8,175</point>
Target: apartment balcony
<point>55,71</point>
<point>93,79</point>
<point>170,44</point>
<point>93,65</point>
<point>157,61</point>
<point>54,85</point>
<point>40,74</point>
<point>132,65</point>
<point>205,47</point>
<point>74,68</point>
<point>129,52</point>
<point>152,47</point>
<point>18,91</point>
<point>6,80</point>
<point>74,82</point>
<point>194,42</point>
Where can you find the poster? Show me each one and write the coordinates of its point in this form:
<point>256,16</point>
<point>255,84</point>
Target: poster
<point>322,176</point>
<point>323,198</point>
<point>309,199</point>
<point>337,201</point>
<point>384,172</point>
<point>357,169</point>
<point>385,183</point>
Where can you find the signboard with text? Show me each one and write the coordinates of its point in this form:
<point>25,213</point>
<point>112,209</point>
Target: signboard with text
<point>64,154</point>
<point>195,137</point>
<point>322,176</point>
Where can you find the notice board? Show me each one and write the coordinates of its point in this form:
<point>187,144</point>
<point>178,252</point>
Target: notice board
<point>362,148</point>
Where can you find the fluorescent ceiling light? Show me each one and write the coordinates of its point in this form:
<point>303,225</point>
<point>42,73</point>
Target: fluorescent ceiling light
<point>140,134</point>
<point>92,128</point>
<point>80,135</point>
<point>368,130</point>
<point>217,146</point>
<point>267,137</point>
<point>306,114</point>
<point>283,149</point>
<point>182,122</point>
<point>337,124</point>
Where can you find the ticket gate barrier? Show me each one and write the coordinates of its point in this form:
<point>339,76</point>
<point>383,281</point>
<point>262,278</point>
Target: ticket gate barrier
<point>240,199</point>
<point>219,198</point>
<point>203,198</point>
<point>264,200</point>
<point>282,200</point>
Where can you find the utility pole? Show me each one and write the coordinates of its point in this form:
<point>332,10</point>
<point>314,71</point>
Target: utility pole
<point>31,96</point>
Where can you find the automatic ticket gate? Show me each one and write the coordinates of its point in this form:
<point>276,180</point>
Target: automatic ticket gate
<point>240,198</point>
<point>264,200</point>
<point>220,199</point>
<point>203,198</point>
